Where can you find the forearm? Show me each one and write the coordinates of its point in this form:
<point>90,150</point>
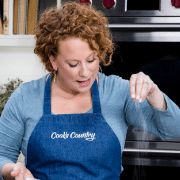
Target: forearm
<point>156,99</point>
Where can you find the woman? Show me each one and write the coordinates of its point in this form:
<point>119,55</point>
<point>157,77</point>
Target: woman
<point>72,123</point>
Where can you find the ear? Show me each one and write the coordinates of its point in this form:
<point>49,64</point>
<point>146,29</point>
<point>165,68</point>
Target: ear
<point>53,62</point>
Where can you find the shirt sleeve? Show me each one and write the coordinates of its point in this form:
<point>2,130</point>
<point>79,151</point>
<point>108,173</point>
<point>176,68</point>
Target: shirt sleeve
<point>164,124</point>
<point>11,128</point>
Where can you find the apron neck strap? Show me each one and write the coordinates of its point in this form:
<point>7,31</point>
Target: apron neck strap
<point>95,98</point>
<point>47,97</point>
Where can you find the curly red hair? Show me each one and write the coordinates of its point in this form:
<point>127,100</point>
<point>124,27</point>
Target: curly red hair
<point>73,20</point>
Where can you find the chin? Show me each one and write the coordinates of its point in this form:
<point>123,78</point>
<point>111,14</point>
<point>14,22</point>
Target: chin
<point>83,90</point>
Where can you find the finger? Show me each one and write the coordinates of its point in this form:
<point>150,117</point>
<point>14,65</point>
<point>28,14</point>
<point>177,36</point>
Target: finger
<point>24,175</point>
<point>145,90</point>
<point>148,86</point>
<point>20,176</point>
<point>16,170</point>
<point>28,174</point>
<point>152,88</point>
<point>132,85</point>
<point>139,85</point>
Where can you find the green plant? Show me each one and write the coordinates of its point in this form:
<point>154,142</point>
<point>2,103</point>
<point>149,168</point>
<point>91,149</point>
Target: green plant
<point>6,90</point>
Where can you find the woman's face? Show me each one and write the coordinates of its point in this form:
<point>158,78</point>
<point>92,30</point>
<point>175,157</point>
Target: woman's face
<point>77,65</point>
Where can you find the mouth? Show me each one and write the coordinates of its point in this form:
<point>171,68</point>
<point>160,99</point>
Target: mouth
<point>84,83</point>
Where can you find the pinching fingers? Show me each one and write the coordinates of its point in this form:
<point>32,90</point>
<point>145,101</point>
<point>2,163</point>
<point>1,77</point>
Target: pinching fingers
<point>140,86</point>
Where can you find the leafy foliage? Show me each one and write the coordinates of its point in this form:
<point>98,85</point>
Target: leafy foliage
<point>6,90</point>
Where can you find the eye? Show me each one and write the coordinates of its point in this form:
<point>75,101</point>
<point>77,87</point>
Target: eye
<point>92,60</point>
<point>73,65</point>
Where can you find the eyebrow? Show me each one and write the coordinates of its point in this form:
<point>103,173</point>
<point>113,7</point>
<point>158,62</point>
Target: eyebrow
<point>78,59</point>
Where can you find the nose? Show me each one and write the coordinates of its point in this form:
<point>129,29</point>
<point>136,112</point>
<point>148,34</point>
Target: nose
<point>84,70</point>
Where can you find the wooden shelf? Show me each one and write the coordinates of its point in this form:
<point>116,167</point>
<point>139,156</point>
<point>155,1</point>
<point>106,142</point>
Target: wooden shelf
<point>17,41</point>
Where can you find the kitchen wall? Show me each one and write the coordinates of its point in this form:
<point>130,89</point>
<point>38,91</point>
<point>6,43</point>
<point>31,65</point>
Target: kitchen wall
<point>19,62</point>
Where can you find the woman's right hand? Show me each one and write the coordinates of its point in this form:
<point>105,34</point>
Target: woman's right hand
<point>16,171</point>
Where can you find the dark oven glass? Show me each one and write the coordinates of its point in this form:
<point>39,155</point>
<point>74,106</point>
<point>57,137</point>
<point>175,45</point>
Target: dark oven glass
<point>143,5</point>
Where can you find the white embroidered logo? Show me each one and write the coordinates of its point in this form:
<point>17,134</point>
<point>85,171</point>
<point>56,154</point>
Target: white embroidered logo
<point>88,136</point>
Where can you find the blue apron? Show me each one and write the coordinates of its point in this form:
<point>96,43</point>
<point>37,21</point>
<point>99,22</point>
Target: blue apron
<point>73,146</point>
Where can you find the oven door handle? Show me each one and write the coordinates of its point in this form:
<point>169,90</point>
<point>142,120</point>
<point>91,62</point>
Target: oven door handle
<point>144,26</point>
<point>151,151</point>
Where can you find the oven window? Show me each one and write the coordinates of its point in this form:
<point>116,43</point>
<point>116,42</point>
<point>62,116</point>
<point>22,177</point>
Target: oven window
<point>143,4</point>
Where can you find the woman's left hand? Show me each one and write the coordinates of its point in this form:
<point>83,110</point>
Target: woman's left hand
<point>142,87</point>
